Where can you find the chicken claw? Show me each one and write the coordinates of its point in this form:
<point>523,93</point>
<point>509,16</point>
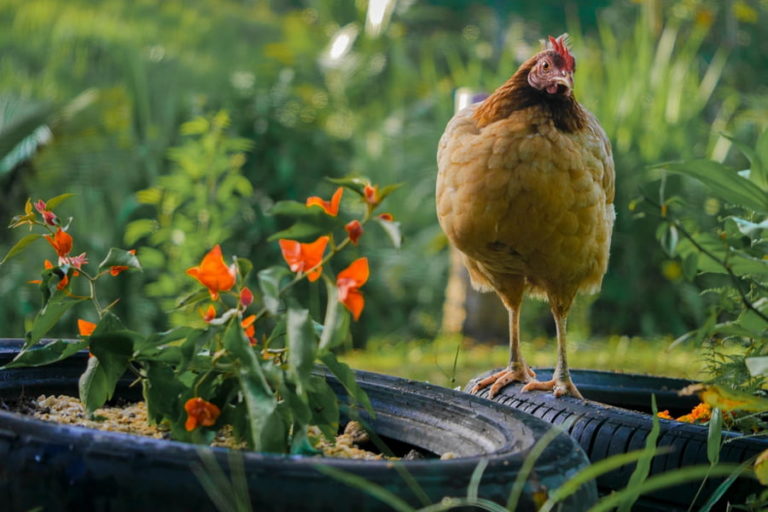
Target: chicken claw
<point>518,373</point>
<point>559,387</point>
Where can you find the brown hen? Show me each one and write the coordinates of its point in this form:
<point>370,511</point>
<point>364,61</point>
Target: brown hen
<point>525,190</point>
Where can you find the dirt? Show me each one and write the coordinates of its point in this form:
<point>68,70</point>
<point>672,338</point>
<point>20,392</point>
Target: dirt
<point>131,418</point>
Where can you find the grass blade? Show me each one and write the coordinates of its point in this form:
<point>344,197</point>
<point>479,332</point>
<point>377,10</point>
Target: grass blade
<point>477,476</point>
<point>370,488</point>
<point>668,479</point>
<point>643,468</point>
<point>593,471</point>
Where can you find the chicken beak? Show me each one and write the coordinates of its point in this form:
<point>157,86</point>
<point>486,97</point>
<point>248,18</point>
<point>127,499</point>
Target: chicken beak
<point>566,81</point>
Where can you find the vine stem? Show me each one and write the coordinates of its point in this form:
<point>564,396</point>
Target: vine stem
<point>734,278</point>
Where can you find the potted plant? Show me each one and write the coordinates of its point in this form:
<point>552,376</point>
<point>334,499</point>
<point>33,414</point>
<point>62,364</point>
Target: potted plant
<point>249,362</point>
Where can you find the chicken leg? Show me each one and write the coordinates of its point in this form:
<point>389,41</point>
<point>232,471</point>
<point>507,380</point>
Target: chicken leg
<point>561,383</point>
<point>517,370</point>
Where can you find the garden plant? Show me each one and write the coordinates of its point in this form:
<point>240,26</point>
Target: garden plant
<point>247,360</point>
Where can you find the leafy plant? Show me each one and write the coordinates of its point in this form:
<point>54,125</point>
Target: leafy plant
<point>248,362</point>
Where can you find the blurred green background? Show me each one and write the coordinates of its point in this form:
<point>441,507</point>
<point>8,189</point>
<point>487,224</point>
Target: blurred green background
<point>179,123</point>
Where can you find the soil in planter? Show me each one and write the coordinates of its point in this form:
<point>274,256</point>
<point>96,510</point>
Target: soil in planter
<point>131,418</point>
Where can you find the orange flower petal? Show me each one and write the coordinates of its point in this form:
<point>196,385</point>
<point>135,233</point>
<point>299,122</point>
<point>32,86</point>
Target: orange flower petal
<point>354,230</point>
<point>200,412</point>
<point>61,242</point>
<point>357,271</point>
<point>387,217</point>
<point>305,257</point>
<point>209,314</point>
<point>213,273</point>
<point>354,302</point>
<point>246,297</point>
<point>85,327</point>
<point>371,194</point>
<point>330,207</point>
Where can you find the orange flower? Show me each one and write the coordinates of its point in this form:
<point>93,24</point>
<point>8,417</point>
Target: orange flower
<point>61,242</point>
<point>305,257</point>
<point>213,273</point>
<point>387,217</point>
<point>115,270</point>
<point>246,297</point>
<point>348,283</point>
<point>85,327</point>
<point>330,207</point>
<point>664,415</point>
<point>371,194</point>
<point>63,281</point>
<point>354,230</point>
<point>48,216</point>
<point>250,329</point>
<point>209,314</point>
<point>200,412</point>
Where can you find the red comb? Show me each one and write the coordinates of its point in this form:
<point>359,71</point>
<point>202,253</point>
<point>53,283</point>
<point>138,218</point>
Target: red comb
<point>558,45</point>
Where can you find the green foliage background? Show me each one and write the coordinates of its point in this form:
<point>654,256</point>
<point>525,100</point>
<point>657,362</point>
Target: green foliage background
<point>93,96</point>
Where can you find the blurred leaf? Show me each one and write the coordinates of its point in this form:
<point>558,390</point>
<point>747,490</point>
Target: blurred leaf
<point>723,183</point>
<point>119,258</point>
<point>193,298</point>
<point>244,267</point>
<point>714,436</point>
<point>354,183</point>
<point>302,346</point>
<point>47,354</point>
<point>690,266</point>
<point>112,347</point>
<point>138,229</point>
<point>324,406</point>
<point>23,127</point>
<point>750,229</point>
<point>392,229</point>
<point>56,201</point>
<point>20,246</point>
<point>347,379</point>
<point>730,400</point>
<point>387,190</point>
<point>761,467</point>
<point>162,392</point>
<point>59,304</point>
<point>269,283</point>
<point>757,366</point>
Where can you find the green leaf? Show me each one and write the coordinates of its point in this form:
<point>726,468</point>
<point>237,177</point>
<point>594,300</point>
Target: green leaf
<point>347,379</point>
<point>138,229</point>
<point>244,267</point>
<point>690,266</point>
<point>56,201</point>
<point>748,228</point>
<point>20,246</point>
<point>266,427</point>
<point>59,304</point>
<point>270,284</point>
<point>392,229</point>
<point>162,392</point>
<point>386,191</point>
<point>119,258</point>
<point>293,209</point>
<point>714,436</point>
<point>47,354</point>
<point>193,298</point>
<point>154,343</point>
<point>302,346</point>
<point>337,319</point>
<point>301,231</point>
<point>15,131</point>
<point>724,183</point>
<point>325,407</point>
<point>354,183</point>
<point>112,347</point>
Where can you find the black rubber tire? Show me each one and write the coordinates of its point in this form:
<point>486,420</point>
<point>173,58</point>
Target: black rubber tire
<point>59,467</point>
<point>612,427</point>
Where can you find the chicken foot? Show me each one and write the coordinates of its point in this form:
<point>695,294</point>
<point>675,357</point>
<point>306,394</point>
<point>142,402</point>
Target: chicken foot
<point>561,383</point>
<point>517,370</point>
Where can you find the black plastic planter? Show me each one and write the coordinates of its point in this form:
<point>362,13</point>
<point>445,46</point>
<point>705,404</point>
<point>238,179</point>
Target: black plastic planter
<point>58,467</point>
<point>621,423</point>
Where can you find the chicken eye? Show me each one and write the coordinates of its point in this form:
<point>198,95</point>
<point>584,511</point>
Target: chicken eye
<point>545,66</point>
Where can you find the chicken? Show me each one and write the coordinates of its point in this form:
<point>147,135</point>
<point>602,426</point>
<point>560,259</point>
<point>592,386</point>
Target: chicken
<point>525,191</point>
